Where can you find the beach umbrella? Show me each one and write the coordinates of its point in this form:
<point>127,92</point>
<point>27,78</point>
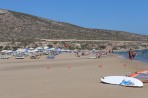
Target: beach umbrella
<point>45,47</point>
<point>4,51</point>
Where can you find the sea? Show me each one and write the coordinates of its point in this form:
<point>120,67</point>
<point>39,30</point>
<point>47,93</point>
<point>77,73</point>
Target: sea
<point>142,55</point>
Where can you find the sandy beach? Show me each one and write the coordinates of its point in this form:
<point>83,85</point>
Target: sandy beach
<point>67,76</point>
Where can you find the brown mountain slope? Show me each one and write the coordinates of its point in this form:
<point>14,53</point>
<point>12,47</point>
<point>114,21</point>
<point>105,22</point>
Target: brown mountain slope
<point>15,26</point>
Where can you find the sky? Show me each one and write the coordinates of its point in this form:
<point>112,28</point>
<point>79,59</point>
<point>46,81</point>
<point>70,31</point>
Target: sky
<point>122,15</point>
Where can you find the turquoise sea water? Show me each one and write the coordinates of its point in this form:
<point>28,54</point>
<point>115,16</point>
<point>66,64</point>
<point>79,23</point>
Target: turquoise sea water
<point>142,55</point>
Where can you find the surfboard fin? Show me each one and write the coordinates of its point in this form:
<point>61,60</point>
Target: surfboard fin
<point>102,77</point>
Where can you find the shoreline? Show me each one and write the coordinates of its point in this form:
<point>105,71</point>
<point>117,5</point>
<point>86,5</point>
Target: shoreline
<point>137,58</point>
<point>126,50</point>
<point>122,57</point>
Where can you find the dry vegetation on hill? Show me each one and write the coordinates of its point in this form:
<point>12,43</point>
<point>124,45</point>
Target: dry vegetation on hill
<point>16,27</point>
<point>24,30</point>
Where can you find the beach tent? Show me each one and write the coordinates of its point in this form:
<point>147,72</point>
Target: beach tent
<point>46,47</point>
<point>31,48</point>
<point>63,50</point>
<point>21,50</point>
<point>53,49</point>
<point>7,52</point>
<point>57,49</point>
<point>40,49</point>
<point>4,51</point>
<point>33,51</point>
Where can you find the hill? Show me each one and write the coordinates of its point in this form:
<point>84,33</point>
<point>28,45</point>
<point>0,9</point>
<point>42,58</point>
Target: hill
<point>16,26</point>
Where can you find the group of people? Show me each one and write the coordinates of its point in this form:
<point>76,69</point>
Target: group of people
<point>131,54</point>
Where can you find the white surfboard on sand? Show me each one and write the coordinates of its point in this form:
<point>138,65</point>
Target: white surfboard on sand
<point>122,80</point>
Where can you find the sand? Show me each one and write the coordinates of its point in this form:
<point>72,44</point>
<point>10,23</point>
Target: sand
<point>67,76</point>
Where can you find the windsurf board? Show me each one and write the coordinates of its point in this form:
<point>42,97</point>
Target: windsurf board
<point>122,80</point>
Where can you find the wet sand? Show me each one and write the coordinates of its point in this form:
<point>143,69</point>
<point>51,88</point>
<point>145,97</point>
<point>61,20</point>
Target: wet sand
<point>67,76</point>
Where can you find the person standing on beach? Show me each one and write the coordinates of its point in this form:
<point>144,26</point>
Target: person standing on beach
<point>130,54</point>
<point>134,54</point>
<point>77,54</point>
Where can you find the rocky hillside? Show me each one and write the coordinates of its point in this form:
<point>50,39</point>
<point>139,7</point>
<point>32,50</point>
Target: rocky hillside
<point>15,26</point>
